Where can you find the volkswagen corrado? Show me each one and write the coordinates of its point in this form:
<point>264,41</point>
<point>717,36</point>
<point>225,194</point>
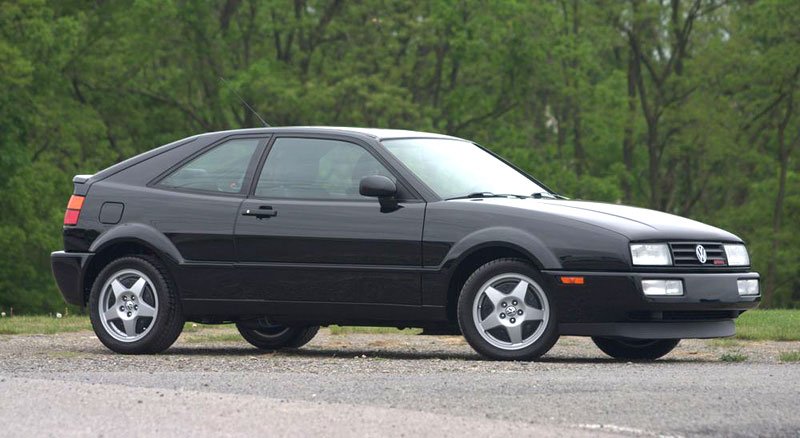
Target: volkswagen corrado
<point>284,230</point>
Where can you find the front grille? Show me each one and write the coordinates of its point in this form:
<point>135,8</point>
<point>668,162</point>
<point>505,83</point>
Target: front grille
<point>685,254</point>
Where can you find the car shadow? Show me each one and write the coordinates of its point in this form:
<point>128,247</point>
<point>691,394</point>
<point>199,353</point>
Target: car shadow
<point>350,354</point>
<point>317,353</point>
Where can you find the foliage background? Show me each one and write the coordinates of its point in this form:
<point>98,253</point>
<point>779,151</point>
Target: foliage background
<point>686,106</point>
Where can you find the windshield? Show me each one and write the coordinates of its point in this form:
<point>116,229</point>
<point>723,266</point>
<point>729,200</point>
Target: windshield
<point>458,168</point>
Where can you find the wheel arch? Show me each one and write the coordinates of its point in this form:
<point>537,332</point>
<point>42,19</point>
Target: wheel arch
<point>140,234</point>
<point>476,256</point>
<point>126,240</point>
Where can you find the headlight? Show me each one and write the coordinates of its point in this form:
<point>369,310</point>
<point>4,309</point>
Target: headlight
<point>650,254</point>
<point>737,255</point>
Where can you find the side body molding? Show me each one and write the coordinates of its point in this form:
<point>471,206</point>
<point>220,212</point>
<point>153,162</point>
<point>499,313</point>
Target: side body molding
<point>138,233</point>
<point>514,238</point>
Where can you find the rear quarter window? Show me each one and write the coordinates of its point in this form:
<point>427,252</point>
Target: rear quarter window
<point>221,169</point>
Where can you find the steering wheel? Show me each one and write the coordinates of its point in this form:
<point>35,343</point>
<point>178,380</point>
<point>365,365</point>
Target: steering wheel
<point>227,186</point>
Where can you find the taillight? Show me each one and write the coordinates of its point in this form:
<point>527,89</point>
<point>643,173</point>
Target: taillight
<point>73,210</point>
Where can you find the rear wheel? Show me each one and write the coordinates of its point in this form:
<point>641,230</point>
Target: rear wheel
<point>134,308</point>
<point>505,312</point>
<point>635,349</point>
<point>266,336</point>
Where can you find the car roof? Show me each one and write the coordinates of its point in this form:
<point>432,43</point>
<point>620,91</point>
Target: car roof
<point>377,133</point>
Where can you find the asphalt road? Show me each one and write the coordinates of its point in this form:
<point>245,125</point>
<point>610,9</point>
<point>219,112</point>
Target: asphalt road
<point>389,385</point>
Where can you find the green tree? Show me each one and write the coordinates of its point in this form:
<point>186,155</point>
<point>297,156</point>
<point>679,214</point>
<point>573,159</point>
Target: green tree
<point>687,106</point>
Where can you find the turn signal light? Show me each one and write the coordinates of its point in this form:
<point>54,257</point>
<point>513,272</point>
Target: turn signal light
<point>73,210</point>
<point>75,202</point>
<point>572,280</point>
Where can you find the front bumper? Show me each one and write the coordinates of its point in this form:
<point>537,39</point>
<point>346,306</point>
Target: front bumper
<point>68,270</point>
<point>613,304</point>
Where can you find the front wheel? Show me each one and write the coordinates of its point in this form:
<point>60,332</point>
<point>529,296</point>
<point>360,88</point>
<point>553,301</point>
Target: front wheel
<point>265,336</point>
<point>635,349</point>
<point>506,313</point>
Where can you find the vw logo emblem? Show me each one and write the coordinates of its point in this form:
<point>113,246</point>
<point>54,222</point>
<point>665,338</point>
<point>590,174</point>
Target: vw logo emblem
<point>700,251</point>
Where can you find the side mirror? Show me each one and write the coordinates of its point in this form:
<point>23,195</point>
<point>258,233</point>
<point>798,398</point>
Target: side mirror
<point>378,186</point>
<point>382,188</point>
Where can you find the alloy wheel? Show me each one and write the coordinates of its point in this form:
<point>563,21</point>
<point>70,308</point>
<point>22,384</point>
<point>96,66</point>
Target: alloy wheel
<point>128,305</point>
<point>267,330</point>
<point>511,311</point>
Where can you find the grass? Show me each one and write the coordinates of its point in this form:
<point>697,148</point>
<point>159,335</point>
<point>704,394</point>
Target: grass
<point>733,357</point>
<point>343,330</point>
<point>195,333</point>
<point>725,342</point>
<point>754,325</point>
<point>192,327</point>
<point>769,325</point>
<point>48,325</point>
<point>34,325</point>
<point>790,356</point>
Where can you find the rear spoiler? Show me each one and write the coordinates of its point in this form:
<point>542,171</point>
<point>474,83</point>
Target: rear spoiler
<point>80,179</point>
<point>79,184</point>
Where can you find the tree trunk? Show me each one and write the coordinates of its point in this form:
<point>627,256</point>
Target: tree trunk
<point>580,152</point>
<point>777,212</point>
<point>654,173</point>
<point>630,125</point>
<point>561,134</point>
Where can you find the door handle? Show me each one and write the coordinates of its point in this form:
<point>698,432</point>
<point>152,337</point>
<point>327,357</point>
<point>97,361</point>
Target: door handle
<point>260,212</point>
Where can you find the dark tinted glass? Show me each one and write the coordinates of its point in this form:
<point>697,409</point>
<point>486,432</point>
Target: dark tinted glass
<point>302,168</point>
<point>222,169</point>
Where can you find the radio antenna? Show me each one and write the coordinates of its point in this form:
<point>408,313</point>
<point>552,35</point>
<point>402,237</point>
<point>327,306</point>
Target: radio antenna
<point>244,102</point>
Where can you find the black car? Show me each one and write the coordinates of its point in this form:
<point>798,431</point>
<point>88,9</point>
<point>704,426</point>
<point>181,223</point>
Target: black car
<point>284,230</point>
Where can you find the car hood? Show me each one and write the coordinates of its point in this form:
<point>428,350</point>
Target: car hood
<point>633,222</point>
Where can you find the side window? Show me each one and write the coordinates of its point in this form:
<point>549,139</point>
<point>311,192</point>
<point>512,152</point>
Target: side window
<point>301,168</point>
<point>221,169</point>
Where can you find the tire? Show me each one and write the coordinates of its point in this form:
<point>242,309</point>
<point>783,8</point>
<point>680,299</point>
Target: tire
<point>275,337</point>
<point>134,306</point>
<point>635,349</point>
<point>486,322</point>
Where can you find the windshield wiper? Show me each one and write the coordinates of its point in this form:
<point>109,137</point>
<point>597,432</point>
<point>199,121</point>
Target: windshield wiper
<point>548,195</point>
<point>488,195</point>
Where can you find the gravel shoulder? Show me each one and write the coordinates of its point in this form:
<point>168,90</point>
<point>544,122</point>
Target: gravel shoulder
<point>389,384</point>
